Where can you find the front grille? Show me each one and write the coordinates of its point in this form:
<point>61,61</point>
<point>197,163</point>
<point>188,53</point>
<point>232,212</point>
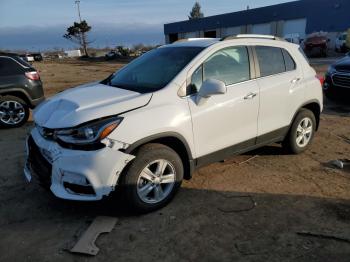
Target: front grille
<point>38,164</point>
<point>341,80</point>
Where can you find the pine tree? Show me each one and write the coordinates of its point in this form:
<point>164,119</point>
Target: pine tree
<point>196,12</point>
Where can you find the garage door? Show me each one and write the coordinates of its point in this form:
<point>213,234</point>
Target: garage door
<point>297,26</point>
<point>230,31</point>
<point>262,29</point>
<point>190,35</point>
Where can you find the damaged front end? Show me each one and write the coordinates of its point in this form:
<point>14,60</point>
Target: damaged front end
<point>75,174</point>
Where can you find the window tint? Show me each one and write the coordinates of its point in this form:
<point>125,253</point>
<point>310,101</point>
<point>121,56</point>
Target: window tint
<point>288,60</point>
<point>230,65</point>
<point>9,67</point>
<point>270,59</point>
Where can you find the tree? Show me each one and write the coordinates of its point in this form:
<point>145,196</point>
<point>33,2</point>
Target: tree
<point>77,33</point>
<point>196,12</point>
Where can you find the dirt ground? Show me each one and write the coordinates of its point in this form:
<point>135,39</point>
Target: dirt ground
<point>248,208</point>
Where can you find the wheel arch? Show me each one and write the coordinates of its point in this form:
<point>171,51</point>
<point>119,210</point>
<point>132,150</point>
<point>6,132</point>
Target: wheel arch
<point>17,93</point>
<point>173,140</point>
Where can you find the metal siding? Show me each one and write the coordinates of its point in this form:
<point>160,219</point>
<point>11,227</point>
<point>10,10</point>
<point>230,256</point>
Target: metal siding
<point>264,29</point>
<point>326,15</point>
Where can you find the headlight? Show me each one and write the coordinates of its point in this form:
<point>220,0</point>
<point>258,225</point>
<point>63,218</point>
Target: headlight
<point>89,133</point>
<point>331,70</point>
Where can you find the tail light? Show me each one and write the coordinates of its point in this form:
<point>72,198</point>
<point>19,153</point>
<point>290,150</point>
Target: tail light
<point>33,75</point>
<point>321,79</point>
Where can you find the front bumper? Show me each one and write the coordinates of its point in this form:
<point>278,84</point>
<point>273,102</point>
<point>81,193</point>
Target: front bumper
<point>73,174</point>
<point>336,89</point>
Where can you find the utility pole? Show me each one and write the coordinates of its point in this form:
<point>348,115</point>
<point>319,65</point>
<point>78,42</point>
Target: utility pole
<point>77,2</point>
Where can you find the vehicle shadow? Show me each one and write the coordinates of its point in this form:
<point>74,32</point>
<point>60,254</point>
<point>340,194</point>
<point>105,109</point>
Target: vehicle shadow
<point>206,225</point>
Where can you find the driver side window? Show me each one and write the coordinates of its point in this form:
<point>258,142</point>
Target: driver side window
<point>229,65</point>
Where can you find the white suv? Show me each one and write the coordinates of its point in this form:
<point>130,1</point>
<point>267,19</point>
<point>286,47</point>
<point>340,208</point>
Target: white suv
<point>178,107</point>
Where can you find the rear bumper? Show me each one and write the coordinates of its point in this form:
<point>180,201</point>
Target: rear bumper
<point>35,102</point>
<point>73,174</point>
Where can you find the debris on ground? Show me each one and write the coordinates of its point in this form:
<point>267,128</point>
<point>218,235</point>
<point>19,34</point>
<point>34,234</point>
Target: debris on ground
<point>236,207</point>
<point>340,163</point>
<point>337,237</point>
<point>249,159</point>
<point>86,243</point>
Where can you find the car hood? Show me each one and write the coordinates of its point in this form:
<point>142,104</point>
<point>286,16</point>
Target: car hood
<point>85,103</point>
<point>343,64</point>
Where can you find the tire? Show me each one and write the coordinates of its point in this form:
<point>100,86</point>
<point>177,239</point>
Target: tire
<point>298,146</point>
<point>14,112</point>
<point>135,186</point>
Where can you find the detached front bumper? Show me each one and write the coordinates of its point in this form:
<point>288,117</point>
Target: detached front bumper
<point>73,174</point>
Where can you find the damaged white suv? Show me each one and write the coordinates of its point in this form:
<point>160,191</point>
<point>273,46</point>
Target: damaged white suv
<point>174,109</point>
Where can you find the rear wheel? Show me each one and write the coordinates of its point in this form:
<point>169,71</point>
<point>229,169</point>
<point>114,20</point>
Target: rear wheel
<point>153,178</point>
<point>14,112</point>
<point>301,133</point>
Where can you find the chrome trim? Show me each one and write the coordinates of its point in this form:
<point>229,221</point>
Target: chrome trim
<point>340,74</point>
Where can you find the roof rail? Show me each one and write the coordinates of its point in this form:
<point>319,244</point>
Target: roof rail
<point>194,39</point>
<point>240,36</point>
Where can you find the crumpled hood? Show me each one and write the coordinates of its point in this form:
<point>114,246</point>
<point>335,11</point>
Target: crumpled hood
<point>85,103</point>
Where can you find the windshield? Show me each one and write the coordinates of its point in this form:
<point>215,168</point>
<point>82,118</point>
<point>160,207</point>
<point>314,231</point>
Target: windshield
<point>154,70</point>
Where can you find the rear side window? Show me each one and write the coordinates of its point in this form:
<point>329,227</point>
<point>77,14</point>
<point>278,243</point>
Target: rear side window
<point>271,60</point>
<point>10,67</point>
<point>288,60</point>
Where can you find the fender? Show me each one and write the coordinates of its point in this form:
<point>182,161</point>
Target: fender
<point>159,136</point>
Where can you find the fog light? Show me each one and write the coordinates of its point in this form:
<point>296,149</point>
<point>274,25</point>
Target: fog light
<point>74,178</point>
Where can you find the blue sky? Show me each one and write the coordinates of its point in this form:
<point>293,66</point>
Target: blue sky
<point>40,24</point>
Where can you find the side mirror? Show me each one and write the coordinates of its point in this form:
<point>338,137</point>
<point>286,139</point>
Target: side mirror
<point>209,88</point>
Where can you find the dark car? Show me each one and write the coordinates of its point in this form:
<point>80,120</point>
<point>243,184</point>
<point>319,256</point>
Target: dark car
<point>20,90</point>
<point>337,80</point>
<point>37,57</point>
<point>316,46</point>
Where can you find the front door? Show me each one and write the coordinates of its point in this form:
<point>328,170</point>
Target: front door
<point>228,119</point>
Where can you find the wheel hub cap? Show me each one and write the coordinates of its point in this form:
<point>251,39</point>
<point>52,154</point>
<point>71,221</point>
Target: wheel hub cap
<point>304,132</point>
<point>156,181</point>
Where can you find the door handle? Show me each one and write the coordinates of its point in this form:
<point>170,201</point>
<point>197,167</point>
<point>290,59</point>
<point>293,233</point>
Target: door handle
<point>295,80</point>
<point>250,96</point>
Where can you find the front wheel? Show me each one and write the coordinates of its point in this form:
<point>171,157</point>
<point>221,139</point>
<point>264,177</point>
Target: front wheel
<point>301,132</point>
<point>153,178</point>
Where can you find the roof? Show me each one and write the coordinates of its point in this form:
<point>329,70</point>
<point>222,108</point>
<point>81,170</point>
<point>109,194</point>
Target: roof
<point>322,15</point>
<point>196,42</point>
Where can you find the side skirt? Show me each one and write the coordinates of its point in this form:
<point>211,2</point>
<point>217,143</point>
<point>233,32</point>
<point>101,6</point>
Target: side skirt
<point>246,146</point>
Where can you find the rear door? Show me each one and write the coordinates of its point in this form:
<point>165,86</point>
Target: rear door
<point>280,91</point>
<point>228,119</point>
<point>11,73</point>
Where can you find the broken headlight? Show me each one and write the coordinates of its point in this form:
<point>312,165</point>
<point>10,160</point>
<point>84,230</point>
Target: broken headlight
<point>89,133</point>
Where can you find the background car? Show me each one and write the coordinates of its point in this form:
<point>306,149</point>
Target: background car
<point>316,46</point>
<point>337,80</point>
<point>340,43</point>
<point>20,90</point>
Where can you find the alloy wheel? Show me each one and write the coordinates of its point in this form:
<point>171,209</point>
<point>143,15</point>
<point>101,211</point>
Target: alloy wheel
<point>156,181</point>
<point>304,132</point>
